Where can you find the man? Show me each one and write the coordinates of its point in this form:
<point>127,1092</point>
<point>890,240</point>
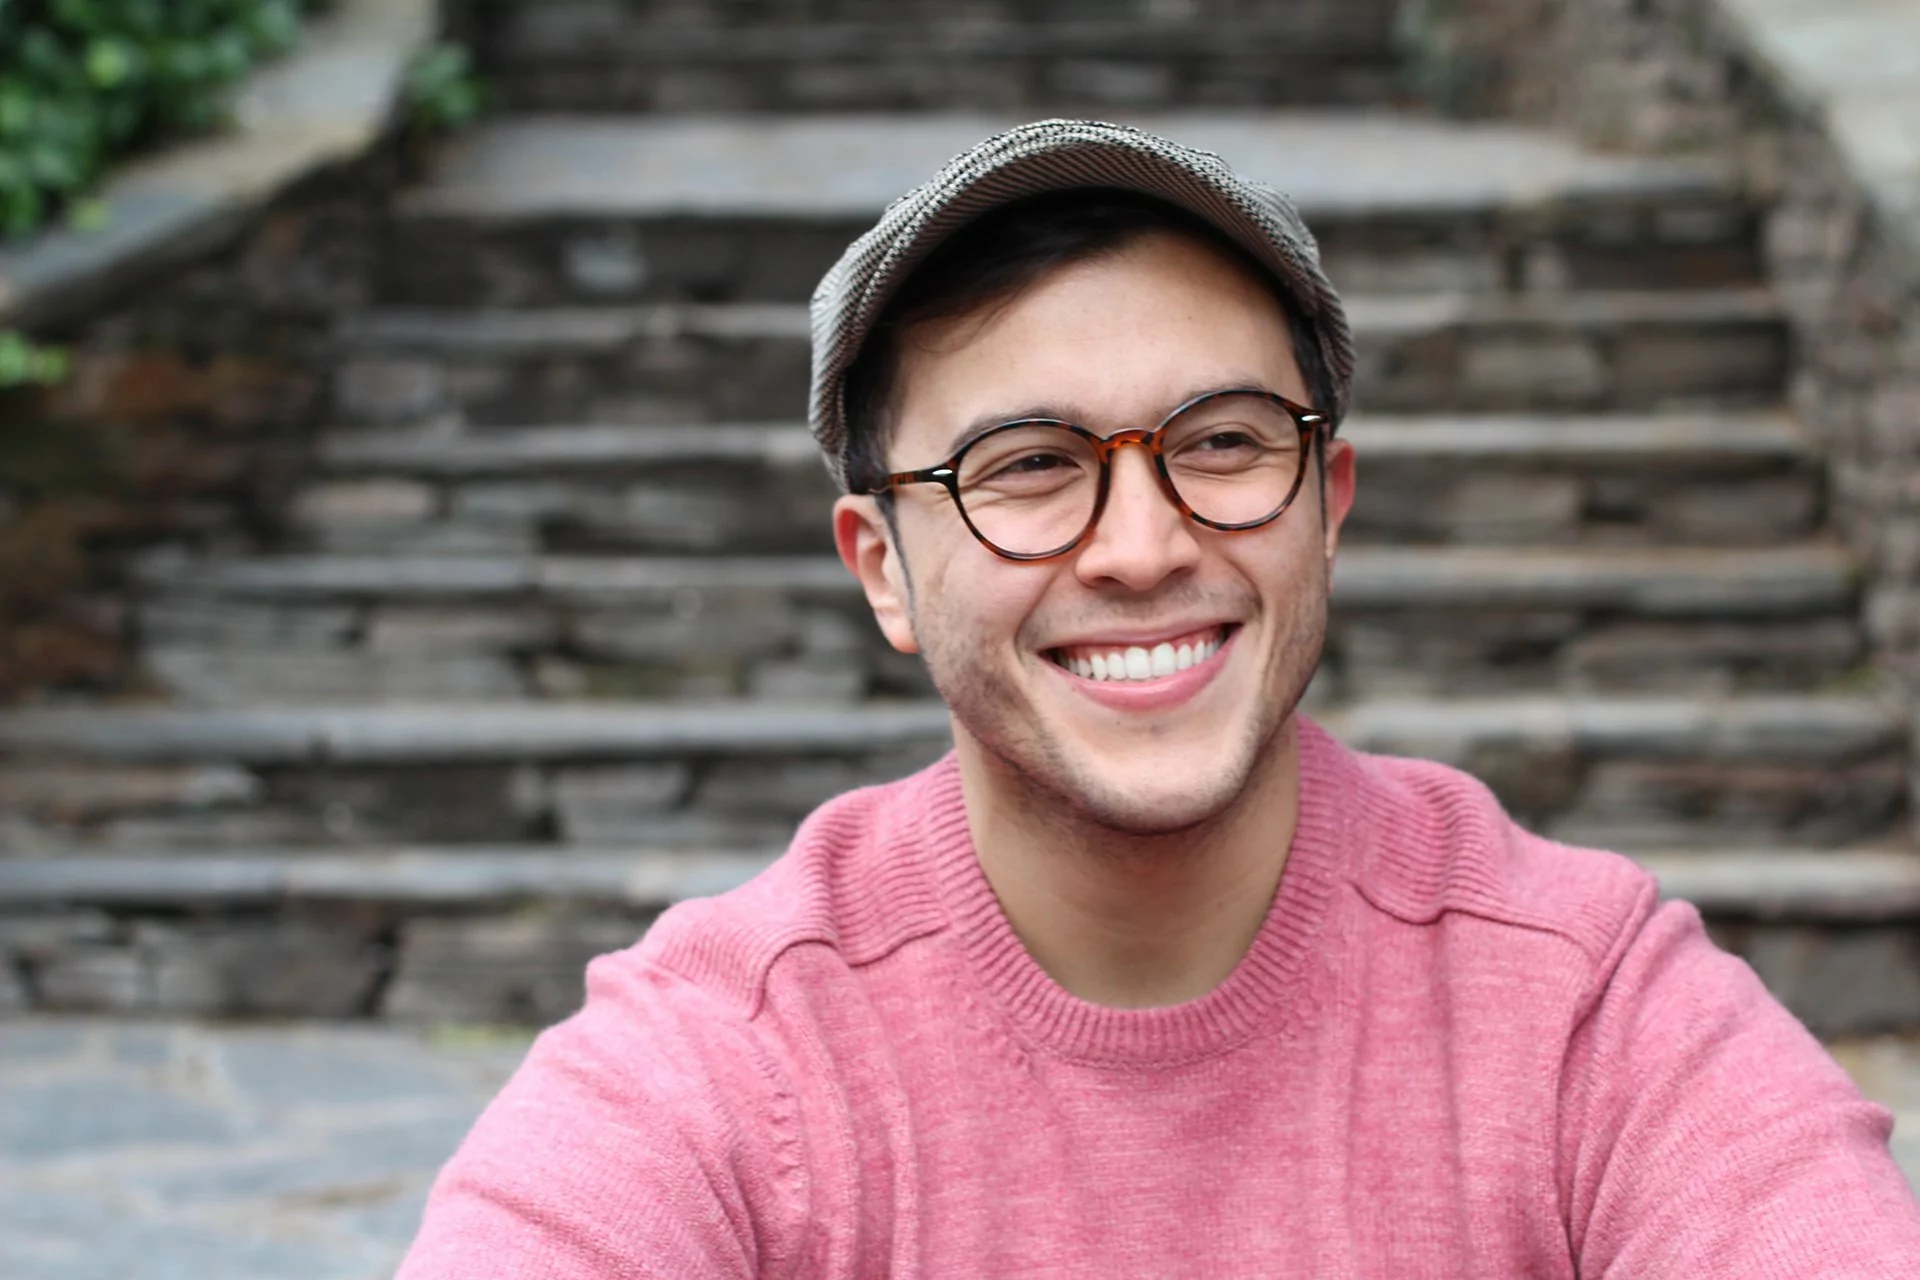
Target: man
<point>1149,977</point>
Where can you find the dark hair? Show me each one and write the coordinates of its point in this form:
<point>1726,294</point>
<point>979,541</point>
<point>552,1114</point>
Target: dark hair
<point>1002,253</point>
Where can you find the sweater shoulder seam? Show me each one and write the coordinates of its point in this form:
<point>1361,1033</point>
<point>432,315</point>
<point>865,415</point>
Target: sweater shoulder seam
<point>1503,914</point>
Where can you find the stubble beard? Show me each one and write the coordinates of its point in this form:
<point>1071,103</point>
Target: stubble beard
<point>1038,773</point>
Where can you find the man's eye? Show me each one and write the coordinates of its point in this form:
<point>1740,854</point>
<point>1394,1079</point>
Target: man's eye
<point>1036,462</point>
<point>1221,440</point>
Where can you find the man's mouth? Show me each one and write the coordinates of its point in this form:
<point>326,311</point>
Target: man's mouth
<point>1141,662</point>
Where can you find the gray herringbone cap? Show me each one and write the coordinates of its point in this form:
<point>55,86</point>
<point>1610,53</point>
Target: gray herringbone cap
<point>1052,155</point>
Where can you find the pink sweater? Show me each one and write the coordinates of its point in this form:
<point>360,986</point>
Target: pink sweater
<point>1454,1050</point>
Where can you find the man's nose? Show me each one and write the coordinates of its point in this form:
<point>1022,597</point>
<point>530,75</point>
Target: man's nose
<point>1142,537</point>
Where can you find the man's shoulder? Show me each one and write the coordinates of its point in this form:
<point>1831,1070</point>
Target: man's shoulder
<point>854,882</point>
<point>1434,843</point>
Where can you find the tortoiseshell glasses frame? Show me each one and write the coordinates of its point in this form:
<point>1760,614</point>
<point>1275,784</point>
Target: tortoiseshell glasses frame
<point>1309,422</point>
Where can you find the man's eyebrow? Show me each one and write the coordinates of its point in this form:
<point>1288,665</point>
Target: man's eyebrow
<point>997,418</point>
<point>1066,413</point>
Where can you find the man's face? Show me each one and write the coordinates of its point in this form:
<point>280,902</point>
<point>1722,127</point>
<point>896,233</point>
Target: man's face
<point>1111,343</point>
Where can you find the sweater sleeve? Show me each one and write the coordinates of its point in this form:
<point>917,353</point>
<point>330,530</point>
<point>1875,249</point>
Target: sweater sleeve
<point>1705,1133</point>
<point>647,1136</point>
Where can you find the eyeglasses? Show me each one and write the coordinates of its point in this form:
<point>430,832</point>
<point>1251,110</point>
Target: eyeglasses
<point>1034,489</point>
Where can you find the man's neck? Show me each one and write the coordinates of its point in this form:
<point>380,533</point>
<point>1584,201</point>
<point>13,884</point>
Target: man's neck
<point>1133,921</point>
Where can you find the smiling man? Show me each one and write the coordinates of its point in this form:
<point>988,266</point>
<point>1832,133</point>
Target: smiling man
<point>1149,976</point>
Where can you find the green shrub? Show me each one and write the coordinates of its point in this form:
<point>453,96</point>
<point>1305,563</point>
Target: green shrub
<point>83,81</point>
<point>24,363</point>
<point>443,91</point>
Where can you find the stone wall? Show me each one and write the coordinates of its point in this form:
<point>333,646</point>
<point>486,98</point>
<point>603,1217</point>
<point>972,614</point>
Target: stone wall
<point>197,318</point>
<point>1813,101</point>
<point>186,418</point>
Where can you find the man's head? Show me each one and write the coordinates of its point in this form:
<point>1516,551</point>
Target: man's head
<point>1109,310</point>
<point>996,257</point>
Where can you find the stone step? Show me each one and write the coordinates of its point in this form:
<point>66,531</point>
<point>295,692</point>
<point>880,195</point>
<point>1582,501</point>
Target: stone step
<point>546,22</point>
<point>601,57</point>
<point>1666,582</point>
<point>1853,886</point>
<point>1595,352</point>
<point>1730,479</point>
<point>564,210</point>
<point>1618,772</point>
<point>425,878</point>
<point>502,934</point>
<point>1406,620</point>
<point>1857,886</point>
<point>1050,68</point>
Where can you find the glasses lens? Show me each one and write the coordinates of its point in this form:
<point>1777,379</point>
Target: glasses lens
<point>1029,488</point>
<point>1234,459</point>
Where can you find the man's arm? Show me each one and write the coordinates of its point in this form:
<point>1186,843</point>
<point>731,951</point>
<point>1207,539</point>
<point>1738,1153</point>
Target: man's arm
<point>641,1138</point>
<point>1705,1133</point>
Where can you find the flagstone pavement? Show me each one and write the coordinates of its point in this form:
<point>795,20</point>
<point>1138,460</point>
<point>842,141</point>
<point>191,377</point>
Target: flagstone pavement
<point>176,1151</point>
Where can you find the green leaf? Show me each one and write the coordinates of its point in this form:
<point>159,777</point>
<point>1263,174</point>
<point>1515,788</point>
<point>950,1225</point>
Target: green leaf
<point>16,108</point>
<point>441,88</point>
<point>52,167</point>
<point>110,62</point>
<point>49,367</point>
<point>274,26</point>
<point>16,359</point>
<point>89,215</point>
<point>22,209</point>
<point>81,15</point>
<point>83,80</point>
<point>22,361</point>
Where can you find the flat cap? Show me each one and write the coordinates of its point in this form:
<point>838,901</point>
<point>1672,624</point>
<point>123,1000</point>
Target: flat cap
<point>1055,155</point>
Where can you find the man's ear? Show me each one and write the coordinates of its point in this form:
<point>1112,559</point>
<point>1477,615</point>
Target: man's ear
<point>1336,489</point>
<point>866,545</point>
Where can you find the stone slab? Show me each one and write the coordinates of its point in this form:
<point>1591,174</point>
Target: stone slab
<point>1728,729</point>
<point>1798,885</point>
<point>69,795</point>
<point>565,331</point>
<point>64,1118</point>
<point>291,1153</point>
<point>1856,65</point>
<point>525,968</point>
<point>1650,440</point>
<point>1730,479</point>
<point>1806,728</point>
<point>569,34</point>
<point>1651,581</point>
<point>1851,981</point>
<point>237,677</point>
<point>1640,349</point>
<point>468,877</point>
<point>1374,318</point>
<point>465,732</point>
<point>325,103</point>
<point>835,167</point>
<point>749,361</point>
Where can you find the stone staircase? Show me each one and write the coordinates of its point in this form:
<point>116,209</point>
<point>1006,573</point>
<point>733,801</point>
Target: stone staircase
<point>814,55</point>
<point>556,636</point>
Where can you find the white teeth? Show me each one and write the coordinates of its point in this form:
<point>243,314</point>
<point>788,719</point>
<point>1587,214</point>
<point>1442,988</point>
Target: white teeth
<point>1137,662</point>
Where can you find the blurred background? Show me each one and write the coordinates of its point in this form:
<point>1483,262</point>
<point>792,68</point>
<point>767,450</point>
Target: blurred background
<point>415,570</point>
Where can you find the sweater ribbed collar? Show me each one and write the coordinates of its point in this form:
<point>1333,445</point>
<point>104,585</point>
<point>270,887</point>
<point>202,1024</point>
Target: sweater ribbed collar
<point>1268,993</point>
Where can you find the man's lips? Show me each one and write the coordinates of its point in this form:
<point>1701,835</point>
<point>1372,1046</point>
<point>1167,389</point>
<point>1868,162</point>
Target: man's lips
<point>1124,661</point>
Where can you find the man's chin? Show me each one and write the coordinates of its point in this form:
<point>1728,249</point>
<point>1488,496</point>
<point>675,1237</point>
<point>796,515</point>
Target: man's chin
<point>1144,798</point>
